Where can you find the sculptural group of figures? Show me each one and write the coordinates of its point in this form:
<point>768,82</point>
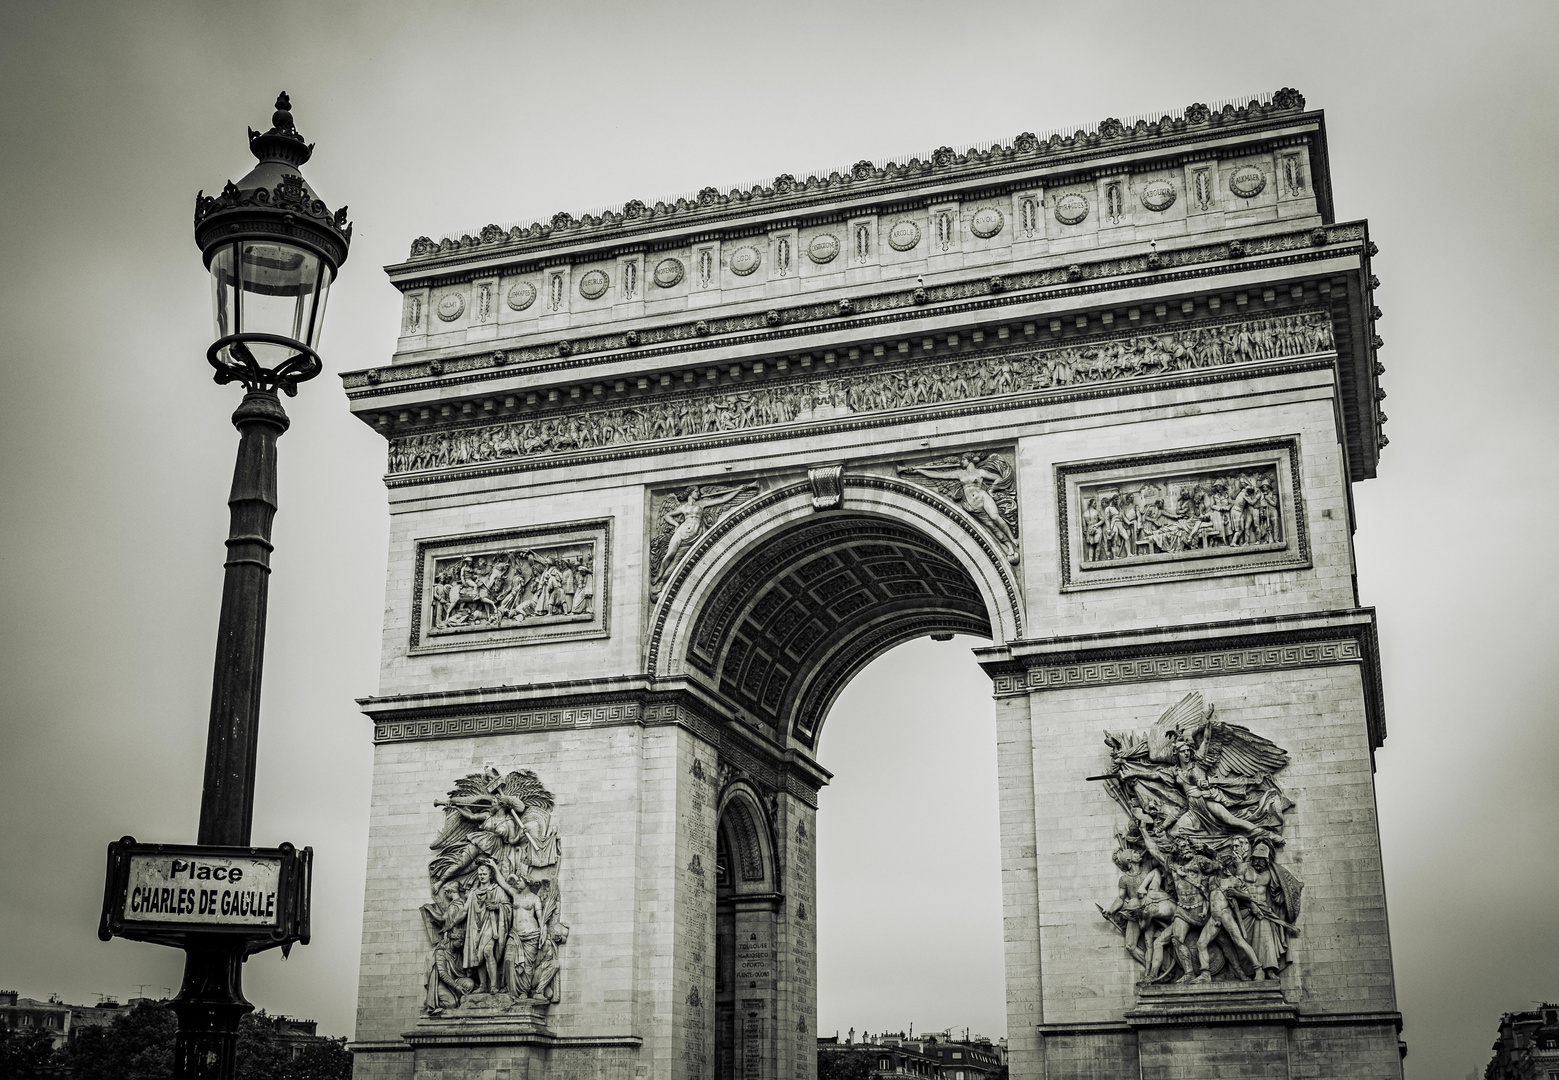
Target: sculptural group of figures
<point>708,412</point>
<point>493,921</point>
<point>505,588</point>
<point>1201,894</point>
<point>1229,510</point>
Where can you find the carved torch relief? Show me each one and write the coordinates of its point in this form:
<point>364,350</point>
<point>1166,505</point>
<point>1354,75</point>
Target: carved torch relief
<point>1203,892</point>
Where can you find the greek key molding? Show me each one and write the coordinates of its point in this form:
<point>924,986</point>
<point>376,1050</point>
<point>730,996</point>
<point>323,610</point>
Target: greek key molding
<point>1237,661</point>
<point>465,727</point>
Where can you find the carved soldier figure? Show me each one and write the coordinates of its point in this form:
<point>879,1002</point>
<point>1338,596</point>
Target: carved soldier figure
<point>1271,904</point>
<point>1125,911</point>
<point>1221,917</point>
<point>1093,530</point>
<point>488,910</point>
<point>522,947</point>
<point>444,922</point>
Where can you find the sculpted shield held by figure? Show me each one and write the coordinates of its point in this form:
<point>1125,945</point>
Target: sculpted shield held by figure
<point>1199,858</point>
<point>493,921</point>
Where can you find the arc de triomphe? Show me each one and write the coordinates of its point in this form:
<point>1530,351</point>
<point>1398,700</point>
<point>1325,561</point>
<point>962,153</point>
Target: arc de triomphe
<point>663,478</point>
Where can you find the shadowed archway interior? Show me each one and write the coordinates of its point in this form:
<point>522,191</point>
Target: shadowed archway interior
<point>794,620</point>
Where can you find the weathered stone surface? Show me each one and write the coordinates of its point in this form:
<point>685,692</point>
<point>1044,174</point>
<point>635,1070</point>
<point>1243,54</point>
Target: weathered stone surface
<point>772,434</point>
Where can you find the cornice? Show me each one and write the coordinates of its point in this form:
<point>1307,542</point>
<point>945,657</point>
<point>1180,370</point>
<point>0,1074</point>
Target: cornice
<point>782,324</point>
<point>1196,650</point>
<point>711,210</point>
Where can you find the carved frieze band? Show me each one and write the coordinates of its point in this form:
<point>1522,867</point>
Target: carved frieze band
<point>460,727</point>
<point>1180,666</point>
<point>911,385</point>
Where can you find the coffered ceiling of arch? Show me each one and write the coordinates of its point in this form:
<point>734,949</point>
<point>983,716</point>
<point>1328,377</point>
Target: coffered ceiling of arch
<point>813,605</point>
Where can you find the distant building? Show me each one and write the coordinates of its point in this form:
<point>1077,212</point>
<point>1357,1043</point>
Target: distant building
<point>27,1015</point>
<point>59,1019</point>
<point>897,1058</point>
<point>296,1035</point>
<point>1527,1047</point>
<point>967,1059</point>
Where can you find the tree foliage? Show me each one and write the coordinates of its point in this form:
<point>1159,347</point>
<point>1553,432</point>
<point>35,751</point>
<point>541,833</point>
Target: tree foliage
<point>138,1045</point>
<point>27,1055</point>
<point>846,1065</point>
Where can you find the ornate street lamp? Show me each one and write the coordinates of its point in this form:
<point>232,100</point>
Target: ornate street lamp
<point>272,248</point>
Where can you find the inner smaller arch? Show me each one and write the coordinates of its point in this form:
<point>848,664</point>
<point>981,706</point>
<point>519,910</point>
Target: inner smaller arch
<point>803,612</point>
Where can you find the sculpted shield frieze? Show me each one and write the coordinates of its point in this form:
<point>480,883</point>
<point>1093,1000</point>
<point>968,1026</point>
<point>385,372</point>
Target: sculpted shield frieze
<point>1203,893</point>
<point>493,924</point>
<point>880,389</point>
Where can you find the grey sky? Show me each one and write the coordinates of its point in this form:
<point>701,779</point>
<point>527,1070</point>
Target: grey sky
<point>115,448</point>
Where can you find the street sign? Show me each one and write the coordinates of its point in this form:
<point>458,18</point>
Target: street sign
<point>165,892</point>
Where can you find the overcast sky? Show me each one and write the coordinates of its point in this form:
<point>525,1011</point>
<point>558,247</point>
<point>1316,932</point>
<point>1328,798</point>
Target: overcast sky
<point>116,450</point>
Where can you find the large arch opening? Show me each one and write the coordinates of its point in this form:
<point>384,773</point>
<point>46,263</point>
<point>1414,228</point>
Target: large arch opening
<point>779,623</point>
<point>789,625</point>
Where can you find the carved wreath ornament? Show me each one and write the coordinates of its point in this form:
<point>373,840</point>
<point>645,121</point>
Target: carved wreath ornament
<point>1202,894</point>
<point>493,923</point>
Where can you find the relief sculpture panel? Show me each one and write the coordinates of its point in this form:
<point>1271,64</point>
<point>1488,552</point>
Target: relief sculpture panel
<point>493,923</point>
<point>983,485</point>
<point>1203,894</point>
<point>881,389</point>
<point>680,517</point>
<point>1191,513</point>
<point>511,587</point>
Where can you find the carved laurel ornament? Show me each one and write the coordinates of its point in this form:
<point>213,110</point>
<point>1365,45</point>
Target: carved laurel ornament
<point>1071,209</point>
<point>904,236</point>
<point>1204,893</point>
<point>521,296</point>
<point>987,222</point>
<point>451,307</point>
<point>593,285</point>
<point>669,272</point>
<point>823,248</point>
<point>493,924</point>
<point>1158,195</point>
<point>745,260</point>
<point>1247,181</point>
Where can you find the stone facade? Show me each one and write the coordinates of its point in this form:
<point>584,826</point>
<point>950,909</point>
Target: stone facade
<point>664,479</point>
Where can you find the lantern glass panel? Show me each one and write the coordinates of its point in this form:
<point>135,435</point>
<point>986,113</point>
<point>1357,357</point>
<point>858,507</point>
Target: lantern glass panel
<point>278,290</point>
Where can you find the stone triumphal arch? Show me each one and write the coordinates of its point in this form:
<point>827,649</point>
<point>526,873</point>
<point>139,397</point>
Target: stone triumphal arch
<point>663,478</point>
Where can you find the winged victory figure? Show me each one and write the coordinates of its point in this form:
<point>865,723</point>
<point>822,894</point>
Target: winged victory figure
<point>1198,855</point>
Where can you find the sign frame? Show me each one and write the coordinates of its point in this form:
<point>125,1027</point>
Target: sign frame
<point>292,897</point>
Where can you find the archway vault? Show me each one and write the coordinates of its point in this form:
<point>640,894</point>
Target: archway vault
<point>782,605</point>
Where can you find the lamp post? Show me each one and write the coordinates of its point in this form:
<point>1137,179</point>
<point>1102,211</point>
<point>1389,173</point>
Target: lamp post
<point>272,248</point>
